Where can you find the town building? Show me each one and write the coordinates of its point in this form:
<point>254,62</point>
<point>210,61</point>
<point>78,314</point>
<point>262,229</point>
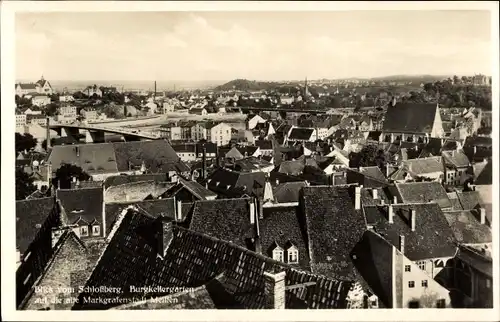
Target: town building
<point>40,87</point>
<point>40,100</point>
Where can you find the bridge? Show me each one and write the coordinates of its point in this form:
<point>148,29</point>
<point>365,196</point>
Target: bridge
<point>96,133</point>
<point>283,109</point>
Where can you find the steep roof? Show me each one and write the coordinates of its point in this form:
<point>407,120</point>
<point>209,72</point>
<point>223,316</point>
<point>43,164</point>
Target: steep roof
<point>372,257</point>
<point>250,164</point>
<point>197,189</point>
<point>29,86</point>
<point>226,219</point>
<point>288,191</point>
<point>485,175</point>
<point>432,237</point>
<point>423,192</point>
<point>229,183</point>
<point>157,155</point>
<point>30,216</point>
<point>284,226</point>
<point>81,203</point>
<point>300,134</point>
<point>457,159</point>
<point>482,263</point>
<point>123,179</point>
<point>131,260</point>
<point>467,227</point>
<point>412,118</point>
<point>333,228</point>
<point>264,144</point>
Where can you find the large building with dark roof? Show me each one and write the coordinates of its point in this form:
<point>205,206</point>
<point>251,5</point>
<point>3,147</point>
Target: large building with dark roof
<point>415,122</point>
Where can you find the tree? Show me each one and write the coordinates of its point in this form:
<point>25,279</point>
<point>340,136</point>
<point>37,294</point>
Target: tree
<point>369,156</point>
<point>24,185</point>
<point>66,173</point>
<point>79,95</point>
<point>44,143</point>
<point>54,98</point>
<point>24,142</point>
<point>51,109</point>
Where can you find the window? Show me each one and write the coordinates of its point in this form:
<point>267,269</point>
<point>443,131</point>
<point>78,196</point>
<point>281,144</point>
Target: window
<point>407,268</point>
<point>424,283</point>
<point>441,304</point>
<point>488,283</point>
<point>293,255</point>
<point>278,254</point>
<point>84,231</point>
<point>414,305</point>
<point>411,284</point>
<point>421,265</point>
<point>96,230</point>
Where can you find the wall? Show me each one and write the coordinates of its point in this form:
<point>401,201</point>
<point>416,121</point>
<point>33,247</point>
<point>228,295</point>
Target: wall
<point>426,296</point>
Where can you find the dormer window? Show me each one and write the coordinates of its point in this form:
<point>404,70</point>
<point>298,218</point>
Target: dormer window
<point>84,231</point>
<point>96,230</point>
<point>293,255</point>
<point>278,254</point>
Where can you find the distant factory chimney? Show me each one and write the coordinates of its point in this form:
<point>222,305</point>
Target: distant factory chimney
<point>154,94</point>
<point>47,135</point>
<point>204,161</point>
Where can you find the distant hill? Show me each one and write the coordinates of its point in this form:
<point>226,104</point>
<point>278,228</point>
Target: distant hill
<point>246,85</point>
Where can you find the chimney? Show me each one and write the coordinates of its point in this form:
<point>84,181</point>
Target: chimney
<point>413,215</point>
<point>382,201</point>
<point>251,205</point>
<point>402,244</point>
<point>47,136</point>
<point>277,181</point>
<point>357,200</point>
<point>164,235</point>
<point>390,212</point>
<point>274,290</point>
<point>260,203</point>
<point>204,162</point>
<point>395,200</point>
<point>77,150</point>
<point>179,210</point>
<point>482,213</point>
<point>375,193</point>
<point>475,150</point>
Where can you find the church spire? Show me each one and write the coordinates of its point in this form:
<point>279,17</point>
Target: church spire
<point>305,90</point>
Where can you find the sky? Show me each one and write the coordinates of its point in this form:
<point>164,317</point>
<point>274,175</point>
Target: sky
<point>190,46</point>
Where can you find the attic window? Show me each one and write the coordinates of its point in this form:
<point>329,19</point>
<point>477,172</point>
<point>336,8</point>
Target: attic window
<point>38,226</point>
<point>278,254</point>
<point>293,255</point>
<point>84,231</point>
<point>228,186</point>
<point>96,230</point>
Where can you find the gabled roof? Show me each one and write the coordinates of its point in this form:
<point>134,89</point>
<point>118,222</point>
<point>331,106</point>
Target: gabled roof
<point>419,167</point>
<point>239,182</point>
<point>432,237</point>
<point>485,176</point>
<point>423,192</point>
<point>284,226</point>
<point>157,155</point>
<point>455,202</point>
<point>372,257</point>
<point>92,158</point>
<point>410,118</point>
<point>333,228</point>
<point>197,189</point>
<point>30,216</point>
<point>226,219</point>
<point>251,164</point>
<point>131,260</point>
<point>288,191</point>
<point>27,86</point>
<point>264,144</point>
<point>300,134</point>
<point>467,227</point>
<point>81,203</point>
<point>123,179</point>
<point>457,159</point>
<point>470,200</point>
<point>479,261</point>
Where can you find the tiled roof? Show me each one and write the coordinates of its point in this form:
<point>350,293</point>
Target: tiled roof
<point>300,134</point>
<point>482,263</point>
<point>264,144</point>
<point>455,202</point>
<point>284,226</point>
<point>457,159</point>
<point>226,182</point>
<point>365,179</point>
<point>333,228</point>
<point>432,237</point>
<point>292,167</point>
<point>288,191</point>
<point>485,176</point>
<point>92,158</point>
<point>251,164</point>
<point>27,86</point>
<point>412,118</point>
<point>419,167</point>
<point>478,141</point>
<point>157,155</point>
<point>30,215</point>
<point>372,257</point>
<point>154,208</point>
<point>467,227</point>
<point>226,219</point>
<point>123,179</point>
<point>81,203</point>
<point>183,148</point>
<point>192,260</point>
<point>197,189</point>
<point>470,200</point>
<point>423,192</point>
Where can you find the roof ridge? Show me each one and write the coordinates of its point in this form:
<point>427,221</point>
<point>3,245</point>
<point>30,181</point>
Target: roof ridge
<point>22,200</point>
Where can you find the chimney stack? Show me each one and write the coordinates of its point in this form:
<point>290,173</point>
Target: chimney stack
<point>402,244</point>
<point>179,210</point>
<point>251,204</point>
<point>395,200</point>
<point>375,193</point>
<point>357,200</point>
<point>274,290</point>
<point>204,161</point>
<point>413,215</point>
<point>47,136</point>
<point>475,150</point>
<point>260,204</point>
<point>482,213</point>
<point>390,212</point>
<point>164,235</point>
